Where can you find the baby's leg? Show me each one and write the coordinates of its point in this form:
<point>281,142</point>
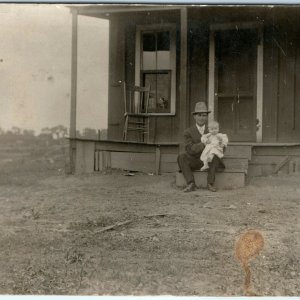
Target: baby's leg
<point>205,166</point>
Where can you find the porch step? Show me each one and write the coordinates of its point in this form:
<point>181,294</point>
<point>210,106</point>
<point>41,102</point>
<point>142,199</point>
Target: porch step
<point>236,163</point>
<point>229,179</point>
<point>239,151</point>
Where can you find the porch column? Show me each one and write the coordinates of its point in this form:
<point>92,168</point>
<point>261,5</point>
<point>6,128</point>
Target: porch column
<point>184,103</point>
<point>211,77</point>
<point>260,77</point>
<point>73,91</point>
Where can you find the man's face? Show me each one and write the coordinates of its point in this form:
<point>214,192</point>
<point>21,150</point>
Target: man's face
<point>200,118</point>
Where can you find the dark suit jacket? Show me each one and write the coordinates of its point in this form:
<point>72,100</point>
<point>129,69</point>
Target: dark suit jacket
<point>192,141</point>
<point>193,145</point>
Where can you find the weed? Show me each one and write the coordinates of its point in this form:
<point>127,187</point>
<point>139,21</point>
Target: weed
<point>35,214</point>
<point>45,276</point>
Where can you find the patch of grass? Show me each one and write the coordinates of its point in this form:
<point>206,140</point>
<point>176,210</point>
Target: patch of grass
<point>48,275</point>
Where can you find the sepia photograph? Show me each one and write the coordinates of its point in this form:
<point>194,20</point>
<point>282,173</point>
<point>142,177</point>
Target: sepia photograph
<point>149,149</point>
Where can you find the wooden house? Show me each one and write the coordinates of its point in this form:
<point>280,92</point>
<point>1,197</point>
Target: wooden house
<point>244,61</point>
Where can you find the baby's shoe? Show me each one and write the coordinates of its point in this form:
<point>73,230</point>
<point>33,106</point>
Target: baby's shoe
<point>205,167</point>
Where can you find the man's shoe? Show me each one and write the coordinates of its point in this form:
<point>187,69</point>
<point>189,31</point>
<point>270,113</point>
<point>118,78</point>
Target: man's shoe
<point>190,187</point>
<point>211,188</point>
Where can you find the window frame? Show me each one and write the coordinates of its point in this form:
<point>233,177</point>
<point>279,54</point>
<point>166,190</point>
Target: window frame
<point>144,73</point>
<point>171,27</point>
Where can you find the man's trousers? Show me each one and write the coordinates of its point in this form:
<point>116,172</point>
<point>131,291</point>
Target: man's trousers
<point>188,164</point>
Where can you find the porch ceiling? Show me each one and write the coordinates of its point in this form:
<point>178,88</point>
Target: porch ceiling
<point>231,13</point>
<point>106,11</point>
<point>211,13</point>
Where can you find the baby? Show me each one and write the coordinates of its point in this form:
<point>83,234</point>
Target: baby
<point>214,142</point>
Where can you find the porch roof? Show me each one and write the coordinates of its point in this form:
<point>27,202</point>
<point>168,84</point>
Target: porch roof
<point>206,12</point>
<point>105,11</point>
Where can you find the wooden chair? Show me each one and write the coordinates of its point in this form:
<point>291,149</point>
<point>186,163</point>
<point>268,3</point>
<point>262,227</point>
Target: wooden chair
<point>136,116</point>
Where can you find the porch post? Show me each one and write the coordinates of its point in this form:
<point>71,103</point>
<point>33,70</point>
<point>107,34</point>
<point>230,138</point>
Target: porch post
<point>260,77</point>
<point>73,91</point>
<point>184,103</point>
<point>211,77</point>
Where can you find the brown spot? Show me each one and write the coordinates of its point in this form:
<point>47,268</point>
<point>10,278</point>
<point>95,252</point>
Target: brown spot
<point>247,246</point>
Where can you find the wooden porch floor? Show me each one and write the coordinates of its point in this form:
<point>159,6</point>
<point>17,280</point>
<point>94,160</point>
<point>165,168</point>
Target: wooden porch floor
<point>257,158</point>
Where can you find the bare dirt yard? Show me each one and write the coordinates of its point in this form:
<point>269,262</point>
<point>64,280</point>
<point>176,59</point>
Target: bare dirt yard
<point>55,236</point>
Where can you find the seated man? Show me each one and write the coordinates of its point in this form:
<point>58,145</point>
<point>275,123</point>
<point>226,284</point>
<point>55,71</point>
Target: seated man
<point>190,160</point>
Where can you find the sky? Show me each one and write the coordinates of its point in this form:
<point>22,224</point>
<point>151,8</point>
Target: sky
<point>35,67</point>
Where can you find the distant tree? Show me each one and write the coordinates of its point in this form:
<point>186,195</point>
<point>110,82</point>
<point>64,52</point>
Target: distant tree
<point>2,131</point>
<point>28,132</point>
<point>46,130</point>
<point>27,137</point>
<point>59,132</point>
<point>45,136</point>
<point>16,130</point>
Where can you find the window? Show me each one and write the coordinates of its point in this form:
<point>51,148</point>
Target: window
<point>156,65</point>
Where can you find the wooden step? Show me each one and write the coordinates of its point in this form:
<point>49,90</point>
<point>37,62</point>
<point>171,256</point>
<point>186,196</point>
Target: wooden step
<point>236,162</point>
<point>239,151</point>
<point>168,163</point>
<point>229,179</point>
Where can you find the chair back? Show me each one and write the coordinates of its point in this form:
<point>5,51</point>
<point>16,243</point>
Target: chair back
<point>136,99</point>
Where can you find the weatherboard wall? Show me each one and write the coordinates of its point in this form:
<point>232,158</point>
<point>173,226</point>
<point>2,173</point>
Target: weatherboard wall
<point>281,86</point>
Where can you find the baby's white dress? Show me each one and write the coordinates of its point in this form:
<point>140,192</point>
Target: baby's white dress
<point>214,145</point>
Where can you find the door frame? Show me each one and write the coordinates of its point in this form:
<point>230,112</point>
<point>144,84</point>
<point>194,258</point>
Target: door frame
<point>212,95</point>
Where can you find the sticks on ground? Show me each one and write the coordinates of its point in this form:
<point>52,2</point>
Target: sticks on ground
<point>114,226</point>
<point>119,224</point>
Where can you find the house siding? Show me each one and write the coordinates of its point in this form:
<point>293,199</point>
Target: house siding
<point>162,128</point>
<point>281,86</point>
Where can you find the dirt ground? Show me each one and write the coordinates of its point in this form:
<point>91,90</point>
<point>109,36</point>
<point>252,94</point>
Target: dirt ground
<point>52,239</point>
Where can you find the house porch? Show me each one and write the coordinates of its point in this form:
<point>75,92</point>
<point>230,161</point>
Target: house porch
<point>267,115</point>
<point>251,159</point>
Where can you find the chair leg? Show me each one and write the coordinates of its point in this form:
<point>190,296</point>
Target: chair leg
<point>142,128</point>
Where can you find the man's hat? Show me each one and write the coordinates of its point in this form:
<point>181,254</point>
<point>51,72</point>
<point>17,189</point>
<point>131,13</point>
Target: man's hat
<point>200,107</point>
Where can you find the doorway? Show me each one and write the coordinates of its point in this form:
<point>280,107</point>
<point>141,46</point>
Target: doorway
<point>235,86</point>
